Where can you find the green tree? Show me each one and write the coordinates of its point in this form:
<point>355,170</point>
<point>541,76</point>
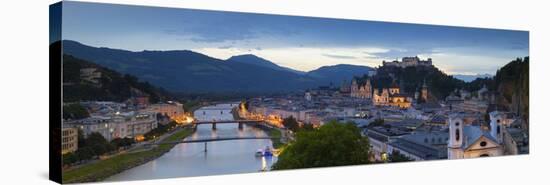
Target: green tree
<point>160,130</point>
<point>75,111</point>
<point>69,158</point>
<point>398,157</point>
<point>122,142</point>
<point>84,153</point>
<point>99,144</point>
<point>81,138</point>
<point>307,127</point>
<point>333,144</point>
<point>291,123</point>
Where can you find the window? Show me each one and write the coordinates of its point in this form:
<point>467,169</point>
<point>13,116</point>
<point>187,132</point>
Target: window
<point>483,144</point>
<point>457,134</point>
<point>457,123</point>
<point>498,129</point>
<point>484,155</point>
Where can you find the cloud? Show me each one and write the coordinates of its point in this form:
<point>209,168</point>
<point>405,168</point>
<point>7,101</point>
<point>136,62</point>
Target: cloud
<point>399,52</point>
<point>339,56</point>
<point>225,47</point>
<point>452,62</point>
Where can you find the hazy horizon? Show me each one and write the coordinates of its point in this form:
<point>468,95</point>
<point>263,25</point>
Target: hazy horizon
<point>300,43</point>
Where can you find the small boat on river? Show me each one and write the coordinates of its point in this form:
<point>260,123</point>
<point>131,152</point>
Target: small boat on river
<point>267,152</point>
<point>259,153</point>
<point>264,153</point>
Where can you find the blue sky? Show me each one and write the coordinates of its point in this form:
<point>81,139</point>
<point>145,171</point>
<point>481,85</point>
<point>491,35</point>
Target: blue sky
<point>301,43</point>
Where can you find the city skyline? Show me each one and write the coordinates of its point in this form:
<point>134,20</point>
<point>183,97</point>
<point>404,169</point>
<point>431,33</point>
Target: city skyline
<point>301,43</point>
<point>153,93</point>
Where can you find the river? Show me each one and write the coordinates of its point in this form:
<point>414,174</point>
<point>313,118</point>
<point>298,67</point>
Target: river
<point>222,157</point>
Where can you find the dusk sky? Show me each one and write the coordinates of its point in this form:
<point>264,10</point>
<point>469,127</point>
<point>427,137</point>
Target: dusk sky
<point>301,43</point>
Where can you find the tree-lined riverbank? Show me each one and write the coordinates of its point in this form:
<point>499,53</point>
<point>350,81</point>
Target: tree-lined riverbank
<point>104,168</point>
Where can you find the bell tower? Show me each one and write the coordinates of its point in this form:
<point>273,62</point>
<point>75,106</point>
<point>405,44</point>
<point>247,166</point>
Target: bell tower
<point>456,136</point>
<point>497,124</point>
<point>424,92</point>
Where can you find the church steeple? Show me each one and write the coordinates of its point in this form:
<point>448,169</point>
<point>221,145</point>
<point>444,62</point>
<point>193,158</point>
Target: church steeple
<point>424,91</point>
<point>394,88</point>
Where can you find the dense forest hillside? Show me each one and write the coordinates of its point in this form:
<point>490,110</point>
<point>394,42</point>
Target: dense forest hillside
<point>109,86</point>
<point>512,82</point>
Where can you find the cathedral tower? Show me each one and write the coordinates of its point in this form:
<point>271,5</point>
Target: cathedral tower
<point>456,136</point>
<point>368,89</point>
<point>354,88</point>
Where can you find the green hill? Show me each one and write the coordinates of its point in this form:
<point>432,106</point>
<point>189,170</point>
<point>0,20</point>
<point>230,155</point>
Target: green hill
<point>410,79</point>
<point>110,86</point>
<point>512,82</point>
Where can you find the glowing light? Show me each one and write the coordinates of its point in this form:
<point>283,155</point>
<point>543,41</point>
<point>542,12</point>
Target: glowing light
<point>139,138</point>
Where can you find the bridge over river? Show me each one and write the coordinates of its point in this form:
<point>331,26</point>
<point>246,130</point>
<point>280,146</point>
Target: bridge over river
<point>239,122</point>
<point>206,140</point>
<point>230,150</point>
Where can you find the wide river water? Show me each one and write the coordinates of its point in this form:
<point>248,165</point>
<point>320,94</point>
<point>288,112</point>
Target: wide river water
<point>222,157</point>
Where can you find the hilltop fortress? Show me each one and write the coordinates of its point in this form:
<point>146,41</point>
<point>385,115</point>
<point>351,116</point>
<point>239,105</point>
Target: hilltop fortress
<point>409,61</point>
<point>393,95</point>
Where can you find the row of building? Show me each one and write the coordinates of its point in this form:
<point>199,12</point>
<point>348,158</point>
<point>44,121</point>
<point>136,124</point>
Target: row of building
<point>391,96</point>
<point>420,131</point>
<point>115,120</point>
<point>456,139</point>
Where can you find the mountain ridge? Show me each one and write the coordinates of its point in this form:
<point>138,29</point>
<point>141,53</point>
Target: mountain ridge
<point>259,61</point>
<point>470,78</point>
<point>190,71</point>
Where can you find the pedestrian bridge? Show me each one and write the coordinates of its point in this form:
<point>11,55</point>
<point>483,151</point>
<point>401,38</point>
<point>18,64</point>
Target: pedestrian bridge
<point>214,122</point>
<point>228,121</point>
<point>211,140</point>
<point>205,141</point>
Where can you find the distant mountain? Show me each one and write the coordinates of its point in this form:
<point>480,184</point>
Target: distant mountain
<point>469,78</point>
<point>192,72</point>
<point>188,71</point>
<point>255,60</point>
<point>336,74</point>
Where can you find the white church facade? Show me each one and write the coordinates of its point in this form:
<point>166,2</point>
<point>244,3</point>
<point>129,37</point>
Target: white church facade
<point>468,141</point>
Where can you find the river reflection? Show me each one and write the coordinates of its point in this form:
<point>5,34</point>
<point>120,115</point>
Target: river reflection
<point>222,157</point>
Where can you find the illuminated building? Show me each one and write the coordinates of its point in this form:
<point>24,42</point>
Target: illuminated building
<point>361,91</point>
<point>69,140</point>
<point>119,125</point>
<point>391,97</point>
